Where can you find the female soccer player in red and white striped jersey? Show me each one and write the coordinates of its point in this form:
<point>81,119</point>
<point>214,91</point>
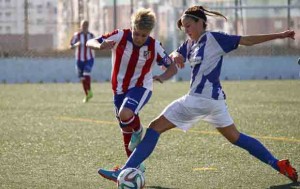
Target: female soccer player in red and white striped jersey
<point>84,57</point>
<point>134,53</point>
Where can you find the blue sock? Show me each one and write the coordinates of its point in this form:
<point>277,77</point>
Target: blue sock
<point>257,149</point>
<point>143,150</point>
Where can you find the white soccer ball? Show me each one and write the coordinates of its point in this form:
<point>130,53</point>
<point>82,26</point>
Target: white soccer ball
<point>131,178</point>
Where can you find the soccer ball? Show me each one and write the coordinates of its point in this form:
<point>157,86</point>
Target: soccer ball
<point>131,178</point>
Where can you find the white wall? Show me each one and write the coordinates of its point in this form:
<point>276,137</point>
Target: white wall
<point>21,70</point>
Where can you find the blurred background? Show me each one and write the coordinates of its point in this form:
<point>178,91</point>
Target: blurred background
<point>35,35</point>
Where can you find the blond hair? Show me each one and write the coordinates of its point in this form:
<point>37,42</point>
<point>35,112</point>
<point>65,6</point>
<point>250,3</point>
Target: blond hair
<point>143,19</point>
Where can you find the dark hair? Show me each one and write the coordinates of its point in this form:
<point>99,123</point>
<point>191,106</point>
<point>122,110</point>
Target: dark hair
<point>196,13</point>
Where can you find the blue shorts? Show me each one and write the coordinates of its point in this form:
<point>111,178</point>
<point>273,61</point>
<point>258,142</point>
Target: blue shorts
<point>134,99</point>
<point>84,67</point>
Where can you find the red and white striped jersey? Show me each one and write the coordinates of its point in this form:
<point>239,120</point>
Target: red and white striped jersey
<point>82,52</point>
<point>132,65</point>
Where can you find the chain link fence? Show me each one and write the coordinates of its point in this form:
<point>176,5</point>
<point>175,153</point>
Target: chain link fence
<point>34,29</point>
<point>44,28</point>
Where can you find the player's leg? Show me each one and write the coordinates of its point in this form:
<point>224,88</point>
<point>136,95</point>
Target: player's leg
<point>127,106</point>
<point>177,114</point>
<point>88,65</point>
<point>253,146</point>
<point>173,115</point>
<point>258,150</point>
<point>222,120</point>
<point>126,131</point>
<point>135,99</point>
<point>80,70</point>
<point>147,145</point>
<point>87,73</point>
<point>144,148</point>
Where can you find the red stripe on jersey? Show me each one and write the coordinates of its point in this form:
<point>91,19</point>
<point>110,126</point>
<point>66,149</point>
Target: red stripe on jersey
<point>85,47</point>
<point>107,35</point>
<point>131,68</point>
<point>147,66</point>
<point>79,49</point>
<point>119,53</point>
<point>159,58</point>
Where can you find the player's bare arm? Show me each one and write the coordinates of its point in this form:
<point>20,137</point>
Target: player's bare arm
<point>105,45</point>
<point>256,39</point>
<point>170,72</point>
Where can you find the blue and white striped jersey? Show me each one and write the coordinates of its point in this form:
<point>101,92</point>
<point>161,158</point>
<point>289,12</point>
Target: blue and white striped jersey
<point>206,57</point>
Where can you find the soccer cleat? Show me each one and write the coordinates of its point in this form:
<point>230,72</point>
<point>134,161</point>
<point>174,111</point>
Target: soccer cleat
<point>135,139</point>
<point>85,100</point>
<point>286,169</point>
<point>110,174</point>
<point>88,96</point>
<point>114,173</point>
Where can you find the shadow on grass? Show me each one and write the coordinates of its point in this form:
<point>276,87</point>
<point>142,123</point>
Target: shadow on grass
<point>159,187</point>
<point>294,185</point>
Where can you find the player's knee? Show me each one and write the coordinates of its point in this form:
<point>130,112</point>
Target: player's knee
<point>153,124</point>
<point>161,124</point>
<point>126,118</point>
<point>125,115</point>
<point>156,126</point>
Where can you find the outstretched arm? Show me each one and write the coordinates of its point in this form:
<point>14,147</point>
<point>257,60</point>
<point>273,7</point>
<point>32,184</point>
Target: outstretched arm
<point>256,39</point>
<point>94,44</point>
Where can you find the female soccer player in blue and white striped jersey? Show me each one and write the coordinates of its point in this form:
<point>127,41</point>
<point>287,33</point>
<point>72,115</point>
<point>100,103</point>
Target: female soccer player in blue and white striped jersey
<point>205,100</point>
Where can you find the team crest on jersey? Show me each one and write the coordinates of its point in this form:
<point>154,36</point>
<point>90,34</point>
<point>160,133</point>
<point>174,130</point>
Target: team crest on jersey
<point>147,54</point>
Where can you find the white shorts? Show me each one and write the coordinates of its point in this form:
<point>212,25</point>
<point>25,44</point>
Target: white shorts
<point>187,110</point>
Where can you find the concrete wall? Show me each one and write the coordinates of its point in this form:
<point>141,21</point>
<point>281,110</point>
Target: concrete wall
<point>16,42</point>
<point>35,70</point>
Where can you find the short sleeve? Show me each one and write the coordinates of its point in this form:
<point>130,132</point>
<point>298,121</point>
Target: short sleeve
<point>182,49</point>
<point>227,42</point>
<point>163,58</point>
<point>115,36</point>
